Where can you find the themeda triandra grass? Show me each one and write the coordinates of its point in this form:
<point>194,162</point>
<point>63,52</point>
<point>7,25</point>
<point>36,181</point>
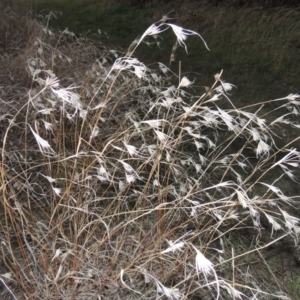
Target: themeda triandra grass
<point>115,185</point>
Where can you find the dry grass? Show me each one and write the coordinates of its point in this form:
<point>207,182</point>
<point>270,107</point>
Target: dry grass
<point>117,186</point>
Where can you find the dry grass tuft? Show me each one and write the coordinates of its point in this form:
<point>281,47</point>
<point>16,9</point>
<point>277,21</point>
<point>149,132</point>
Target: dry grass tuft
<point>117,186</point>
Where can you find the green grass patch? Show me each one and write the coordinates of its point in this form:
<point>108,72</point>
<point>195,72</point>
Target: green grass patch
<point>258,48</point>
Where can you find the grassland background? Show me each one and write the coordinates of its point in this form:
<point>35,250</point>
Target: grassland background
<point>257,45</point>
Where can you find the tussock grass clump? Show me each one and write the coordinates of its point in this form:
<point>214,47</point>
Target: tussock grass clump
<point>116,185</point>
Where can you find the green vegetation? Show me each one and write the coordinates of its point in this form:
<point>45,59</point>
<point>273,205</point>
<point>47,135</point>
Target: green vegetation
<point>121,181</point>
<point>295,286</point>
